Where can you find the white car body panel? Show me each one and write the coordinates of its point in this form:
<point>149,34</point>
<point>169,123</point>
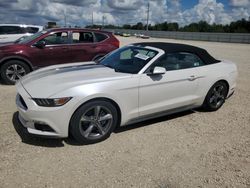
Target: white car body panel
<point>126,89</point>
<point>137,95</point>
<point>209,74</point>
<point>170,90</point>
<point>13,37</point>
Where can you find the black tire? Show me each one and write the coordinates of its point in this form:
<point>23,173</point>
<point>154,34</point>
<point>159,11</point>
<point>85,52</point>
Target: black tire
<point>93,122</point>
<point>13,70</point>
<point>216,96</point>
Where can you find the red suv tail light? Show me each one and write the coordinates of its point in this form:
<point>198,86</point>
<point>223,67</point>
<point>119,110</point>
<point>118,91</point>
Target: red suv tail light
<point>115,42</point>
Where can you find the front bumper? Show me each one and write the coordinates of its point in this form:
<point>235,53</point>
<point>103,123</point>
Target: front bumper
<point>230,93</point>
<point>31,128</point>
<point>43,121</point>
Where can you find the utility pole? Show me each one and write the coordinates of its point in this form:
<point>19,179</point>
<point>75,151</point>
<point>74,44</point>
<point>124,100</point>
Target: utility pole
<point>103,18</point>
<point>92,19</point>
<point>65,19</point>
<point>147,16</point>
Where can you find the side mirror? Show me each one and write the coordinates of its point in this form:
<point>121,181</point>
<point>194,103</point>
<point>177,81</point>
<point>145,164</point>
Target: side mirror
<point>40,44</point>
<point>157,71</point>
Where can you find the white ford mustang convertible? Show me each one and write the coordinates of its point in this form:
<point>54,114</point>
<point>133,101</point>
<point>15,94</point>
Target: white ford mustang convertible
<point>134,83</point>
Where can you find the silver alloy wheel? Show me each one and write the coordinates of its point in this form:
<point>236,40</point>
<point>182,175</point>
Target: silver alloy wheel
<point>95,122</point>
<point>15,72</point>
<point>218,96</point>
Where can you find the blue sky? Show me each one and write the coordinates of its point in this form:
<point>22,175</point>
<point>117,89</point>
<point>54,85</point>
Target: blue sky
<point>119,12</point>
<point>189,4</point>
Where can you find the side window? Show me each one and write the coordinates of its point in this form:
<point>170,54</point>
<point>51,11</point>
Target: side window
<point>31,29</point>
<point>1,30</point>
<point>100,37</point>
<point>82,37</point>
<point>179,60</point>
<point>4,30</point>
<point>189,60</point>
<point>56,38</point>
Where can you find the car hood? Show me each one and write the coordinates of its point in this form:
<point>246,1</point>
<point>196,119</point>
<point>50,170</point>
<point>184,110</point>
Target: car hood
<point>49,81</point>
<point>10,46</point>
<point>6,43</point>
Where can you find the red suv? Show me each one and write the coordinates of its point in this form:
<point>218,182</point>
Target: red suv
<point>54,46</point>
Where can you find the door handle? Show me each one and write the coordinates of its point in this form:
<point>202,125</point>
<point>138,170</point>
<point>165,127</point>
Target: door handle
<point>192,78</point>
<point>65,48</point>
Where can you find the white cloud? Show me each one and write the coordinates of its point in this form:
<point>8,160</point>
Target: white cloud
<point>207,10</point>
<point>133,11</point>
<point>239,13</point>
<point>120,11</point>
<point>124,4</point>
<point>23,5</point>
<point>240,3</point>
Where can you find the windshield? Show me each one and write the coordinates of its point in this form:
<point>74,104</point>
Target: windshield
<point>129,59</point>
<point>26,39</point>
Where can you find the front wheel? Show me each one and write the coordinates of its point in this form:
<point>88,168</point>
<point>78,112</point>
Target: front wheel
<point>216,96</point>
<point>93,122</point>
<point>13,70</point>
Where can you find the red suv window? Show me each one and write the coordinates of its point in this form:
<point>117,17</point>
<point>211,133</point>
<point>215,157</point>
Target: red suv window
<point>56,38</point>
<point>100,37</point>
<point>82,37</point>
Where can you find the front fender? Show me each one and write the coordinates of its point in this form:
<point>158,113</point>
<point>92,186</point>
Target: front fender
<point>21,58</point>
<point>126,99</point>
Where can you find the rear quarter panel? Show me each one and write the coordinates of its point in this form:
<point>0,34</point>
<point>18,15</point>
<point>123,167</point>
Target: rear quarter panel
<point>210,74</point>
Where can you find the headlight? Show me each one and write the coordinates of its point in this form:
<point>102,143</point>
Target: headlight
<point>52,102</point>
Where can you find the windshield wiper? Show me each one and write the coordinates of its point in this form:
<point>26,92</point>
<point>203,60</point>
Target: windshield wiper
<point>108,66</point>
<point>119,70</point>
<point>16,41</point>
<point>115,69</point>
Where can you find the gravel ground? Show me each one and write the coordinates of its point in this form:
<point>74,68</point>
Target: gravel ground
<point>189,149</point>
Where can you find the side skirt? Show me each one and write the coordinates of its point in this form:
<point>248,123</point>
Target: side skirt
<point>160,114</point>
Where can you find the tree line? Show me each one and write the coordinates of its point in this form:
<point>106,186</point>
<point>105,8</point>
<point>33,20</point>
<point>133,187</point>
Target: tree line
<point>240,26</point>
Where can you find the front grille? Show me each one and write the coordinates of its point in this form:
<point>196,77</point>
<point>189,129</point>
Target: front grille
<point>21,102</point>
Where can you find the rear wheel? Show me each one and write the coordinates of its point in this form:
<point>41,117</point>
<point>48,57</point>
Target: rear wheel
<point>216,96</point>
<point>13,70</point>
<point>93,122</point>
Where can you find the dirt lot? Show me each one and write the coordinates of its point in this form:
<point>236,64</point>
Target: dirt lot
<point>190,149</point>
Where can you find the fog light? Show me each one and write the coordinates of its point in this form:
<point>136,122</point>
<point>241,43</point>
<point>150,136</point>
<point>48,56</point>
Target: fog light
<point>41,126</point>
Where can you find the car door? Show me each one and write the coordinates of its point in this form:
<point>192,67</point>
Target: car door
<point>175,89</point>
<point>82,46</point>
<point>55,51</point>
